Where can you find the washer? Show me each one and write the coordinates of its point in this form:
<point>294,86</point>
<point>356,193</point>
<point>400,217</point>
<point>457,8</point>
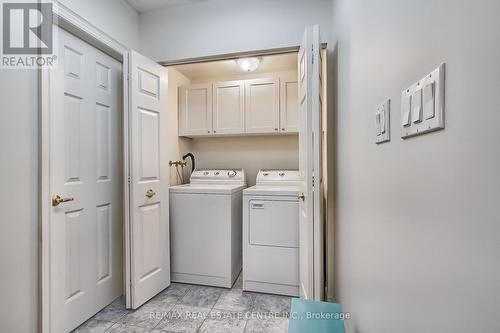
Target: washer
<point>271,233</point>
<point>205,228</point>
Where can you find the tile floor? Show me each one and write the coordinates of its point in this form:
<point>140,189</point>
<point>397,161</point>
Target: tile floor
<point>192,308</point>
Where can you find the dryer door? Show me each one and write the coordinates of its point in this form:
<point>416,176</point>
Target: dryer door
<point>274,223</point>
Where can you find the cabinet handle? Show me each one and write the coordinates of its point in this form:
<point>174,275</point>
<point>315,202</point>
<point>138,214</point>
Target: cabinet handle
<point>208,131</point>
<point>275,129</point>
<point>215,131</point>
<point>283,129</point>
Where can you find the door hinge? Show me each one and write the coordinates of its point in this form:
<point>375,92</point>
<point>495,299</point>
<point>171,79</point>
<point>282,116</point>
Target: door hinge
<point>128,179</point>
<point>128,77</point>
<point>312,54</point>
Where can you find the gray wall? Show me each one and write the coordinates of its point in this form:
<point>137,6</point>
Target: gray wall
<point>226,26</point>
<point>418,221</point>
<point>19,311</point>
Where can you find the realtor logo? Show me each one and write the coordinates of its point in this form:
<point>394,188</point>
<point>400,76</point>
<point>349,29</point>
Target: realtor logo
<point>27,37</point>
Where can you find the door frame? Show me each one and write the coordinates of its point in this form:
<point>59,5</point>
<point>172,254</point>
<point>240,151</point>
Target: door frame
<point>68,20</point>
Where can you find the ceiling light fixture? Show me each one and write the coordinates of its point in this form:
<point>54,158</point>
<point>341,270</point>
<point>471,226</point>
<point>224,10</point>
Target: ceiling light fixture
<point>248,64</point>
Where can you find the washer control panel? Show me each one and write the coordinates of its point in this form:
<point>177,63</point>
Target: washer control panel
<point>209,175</point>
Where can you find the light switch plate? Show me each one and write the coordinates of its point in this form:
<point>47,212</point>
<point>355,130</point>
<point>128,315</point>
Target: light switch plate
<point>430,105</point>
<point>383,122</point>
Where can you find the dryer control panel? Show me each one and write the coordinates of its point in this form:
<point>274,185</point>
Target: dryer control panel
<point>278,177</point>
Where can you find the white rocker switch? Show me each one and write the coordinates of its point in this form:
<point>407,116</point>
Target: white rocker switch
<point>378,123</point>
<point>416,101</point>
<point>429,101</point>
<point>406,107</point>
<point>382,121</point>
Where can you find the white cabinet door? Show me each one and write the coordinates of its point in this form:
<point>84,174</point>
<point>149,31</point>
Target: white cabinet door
<point>195,110</point>
<point>229,107</point>
<point>147,234</point>
<point>262,106</point>
<point>289,104</point>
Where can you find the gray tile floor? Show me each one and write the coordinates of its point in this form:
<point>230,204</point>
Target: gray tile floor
<point>193,308</point>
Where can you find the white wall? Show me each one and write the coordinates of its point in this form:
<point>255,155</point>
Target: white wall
<point>250,153</point>
<point>418,232</point>
<point>19,242</point>
<point>178,146</point>
<point>226,26</point>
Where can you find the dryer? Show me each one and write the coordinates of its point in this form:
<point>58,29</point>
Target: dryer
<point>271,233</point>
<point>205,228</point>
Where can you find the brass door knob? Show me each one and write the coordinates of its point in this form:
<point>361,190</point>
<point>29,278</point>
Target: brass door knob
<point>301,196</point>
<point>56,200</point>
<point>150,193</point>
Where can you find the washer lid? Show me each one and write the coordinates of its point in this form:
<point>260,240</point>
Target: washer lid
<point>207,188</point>
<point>273,190</point>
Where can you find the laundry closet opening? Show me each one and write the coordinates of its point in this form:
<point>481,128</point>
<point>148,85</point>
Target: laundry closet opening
<point>229,117</point>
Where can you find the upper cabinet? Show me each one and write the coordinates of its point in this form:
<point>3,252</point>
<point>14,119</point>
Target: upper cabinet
<point>228,107</point>
<point>289,106</point>
<point>262,106</point>
<point>257,106</point>
<point>195,110</point>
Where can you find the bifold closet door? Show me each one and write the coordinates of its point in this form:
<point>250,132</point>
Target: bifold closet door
<point>148,252</point>
<point>86,216</point>
<point>310,166</point>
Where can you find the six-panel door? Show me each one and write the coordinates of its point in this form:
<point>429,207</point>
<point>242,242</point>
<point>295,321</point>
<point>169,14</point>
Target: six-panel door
<point>86,230</point>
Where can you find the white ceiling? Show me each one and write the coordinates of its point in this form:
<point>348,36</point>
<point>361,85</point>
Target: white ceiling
<point>228,68</point>
<point>143,6</point>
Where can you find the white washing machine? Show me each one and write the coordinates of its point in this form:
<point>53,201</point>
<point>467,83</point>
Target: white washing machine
<point>271,233</point>
<point>205,228</point>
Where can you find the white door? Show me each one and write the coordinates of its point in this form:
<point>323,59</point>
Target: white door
<point>289,106</point>
<point>262,106</point>
<point>86,228</point>
<point>148,250</point>
<point>310,220</point>
<point>229,107</point>
<point>195,110</point>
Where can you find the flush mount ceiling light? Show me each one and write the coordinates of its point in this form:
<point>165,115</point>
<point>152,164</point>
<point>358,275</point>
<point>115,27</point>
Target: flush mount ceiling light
<point>248,64</point>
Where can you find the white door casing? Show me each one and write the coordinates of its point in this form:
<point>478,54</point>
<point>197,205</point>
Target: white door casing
<point>85,245</point>
<point>148,231</point>
<point>229,107</point>
<point>310,220</point>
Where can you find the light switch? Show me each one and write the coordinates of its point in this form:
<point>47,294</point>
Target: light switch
<point>429,101</point>
<point>382,120</point>
<point>406,108</point>
<point>416,106</point>
<point>422,104</point>
<point>378,124</point>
